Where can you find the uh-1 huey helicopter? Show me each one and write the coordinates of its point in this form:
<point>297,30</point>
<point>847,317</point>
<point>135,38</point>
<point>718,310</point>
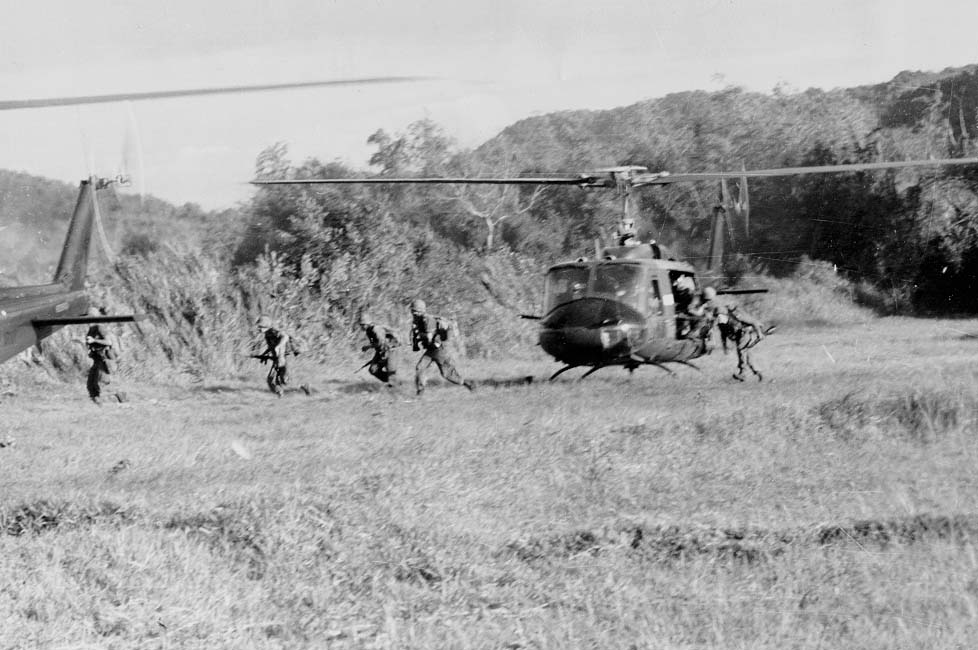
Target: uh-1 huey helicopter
<point>627,306</point>
<point>29,314</point>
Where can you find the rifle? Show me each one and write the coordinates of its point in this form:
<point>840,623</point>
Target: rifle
<point>363,366</point>
<point>263,357</point>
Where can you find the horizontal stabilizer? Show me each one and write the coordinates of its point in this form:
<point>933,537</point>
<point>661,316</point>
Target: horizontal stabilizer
<point>737,292</point>
<point>87,320</point>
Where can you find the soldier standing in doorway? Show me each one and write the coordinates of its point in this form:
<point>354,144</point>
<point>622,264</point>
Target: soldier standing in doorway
<point>430,334</point>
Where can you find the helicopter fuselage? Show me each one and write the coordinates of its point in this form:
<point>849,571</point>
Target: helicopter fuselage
<point>625,308</point>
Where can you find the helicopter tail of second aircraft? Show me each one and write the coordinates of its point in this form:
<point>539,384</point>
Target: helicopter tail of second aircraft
<point>73,265</point>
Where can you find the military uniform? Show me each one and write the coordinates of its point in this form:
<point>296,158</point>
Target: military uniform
<point>704,312</point>
<point>744,332</point>
<point>430,334</point>
<point>384,342</point>
<point>278,345</point>
<point>103,356</point>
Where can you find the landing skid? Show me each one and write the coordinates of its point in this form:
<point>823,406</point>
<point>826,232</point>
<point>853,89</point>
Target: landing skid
<point>566,368</point>
<point>561,371</point>
<point>659,366</point>
<point>630,367</point>
<point>592,370</point>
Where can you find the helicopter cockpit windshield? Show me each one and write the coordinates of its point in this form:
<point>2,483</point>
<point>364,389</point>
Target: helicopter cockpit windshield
<point>619,282</point>
<point>564,284</point>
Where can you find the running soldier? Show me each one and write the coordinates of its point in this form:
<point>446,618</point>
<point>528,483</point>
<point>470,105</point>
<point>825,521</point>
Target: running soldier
<point>103,355</point>
<point>278,346</point>
<point>430,333</point>
<point>744,332</point>
<point>383,341</point>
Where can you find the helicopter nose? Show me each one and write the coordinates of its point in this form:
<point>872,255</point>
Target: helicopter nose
<point>620,335</point>
<point>592,330</point>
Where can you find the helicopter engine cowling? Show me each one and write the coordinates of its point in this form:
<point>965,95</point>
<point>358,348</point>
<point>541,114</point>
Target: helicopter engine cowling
<point>590,331</point>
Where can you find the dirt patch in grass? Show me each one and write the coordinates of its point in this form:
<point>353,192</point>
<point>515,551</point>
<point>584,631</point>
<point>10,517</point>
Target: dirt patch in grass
<point>922,415</point>
<point>678,543</point>
<point>42,515</point>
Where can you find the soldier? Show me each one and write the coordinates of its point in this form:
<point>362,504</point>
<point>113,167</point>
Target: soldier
<point>383,341</point>
<point>430,333</point>
<point>704,311</point>
<point>103,355</point>
<point>626,235</point>
<point>739,328</point>
<point>278,345</point>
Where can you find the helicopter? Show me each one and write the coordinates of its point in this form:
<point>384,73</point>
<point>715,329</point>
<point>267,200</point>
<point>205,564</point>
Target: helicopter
<point>29,314</point>
<point>630,305</point>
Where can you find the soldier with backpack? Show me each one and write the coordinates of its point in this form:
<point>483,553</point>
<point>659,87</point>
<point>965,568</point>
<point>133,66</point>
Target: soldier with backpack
<point>278,346</point>
<point>103,355</point>
<point>383,341</point>
<point>431,334</point>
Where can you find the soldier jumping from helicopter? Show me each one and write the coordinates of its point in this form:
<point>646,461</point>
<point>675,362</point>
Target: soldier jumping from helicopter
<point>383,341</point>
<point>430,333</point>
<point>737,327</point>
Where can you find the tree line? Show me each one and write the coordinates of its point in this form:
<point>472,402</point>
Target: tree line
<point>319,255</point>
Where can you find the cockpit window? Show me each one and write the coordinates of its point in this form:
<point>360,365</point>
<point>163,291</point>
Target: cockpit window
<point>620,282</point>
<point>565,284</point>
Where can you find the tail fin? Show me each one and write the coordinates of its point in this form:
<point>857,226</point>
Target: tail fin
<point>718,232</point>
<point>73,265</point>
<point>726,212</point>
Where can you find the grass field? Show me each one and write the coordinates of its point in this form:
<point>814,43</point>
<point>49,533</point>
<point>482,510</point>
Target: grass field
<point>832,505</point>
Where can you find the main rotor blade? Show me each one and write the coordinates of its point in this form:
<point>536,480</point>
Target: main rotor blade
<point>429,181</point>
<point>9,105</point>
<point>610,179</point>
<point>665,178</point>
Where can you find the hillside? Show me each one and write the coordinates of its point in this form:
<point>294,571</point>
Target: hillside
<point>34,214</point>
<point>315,258</point>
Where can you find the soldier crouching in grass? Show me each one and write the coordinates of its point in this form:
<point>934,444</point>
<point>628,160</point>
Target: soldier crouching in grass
<point>384,343</point>
<point>430,334</point>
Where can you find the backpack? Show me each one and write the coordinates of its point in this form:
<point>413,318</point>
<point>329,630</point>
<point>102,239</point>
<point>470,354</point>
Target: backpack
<point>293,346</point>
<point>445,328</point>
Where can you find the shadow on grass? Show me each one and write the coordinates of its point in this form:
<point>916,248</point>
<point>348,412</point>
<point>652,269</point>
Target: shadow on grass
<point>494,382</point>
<point>750,545</point>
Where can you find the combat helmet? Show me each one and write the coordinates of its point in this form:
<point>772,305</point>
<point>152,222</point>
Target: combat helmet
<point>365,318</point>
<point>264,322</point>
<point>418,306</point>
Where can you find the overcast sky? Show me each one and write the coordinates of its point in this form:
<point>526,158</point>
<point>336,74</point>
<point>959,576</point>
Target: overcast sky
<point>495,61</point>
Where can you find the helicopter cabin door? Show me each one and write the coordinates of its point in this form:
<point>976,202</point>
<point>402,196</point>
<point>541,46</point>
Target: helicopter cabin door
<point>684,290</point>
<point>657,313</point>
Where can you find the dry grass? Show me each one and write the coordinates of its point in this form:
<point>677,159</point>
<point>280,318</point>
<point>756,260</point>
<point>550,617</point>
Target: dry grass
<point>831,507</point>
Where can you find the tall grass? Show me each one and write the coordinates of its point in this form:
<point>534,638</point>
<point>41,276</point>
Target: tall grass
<point>830,507</point>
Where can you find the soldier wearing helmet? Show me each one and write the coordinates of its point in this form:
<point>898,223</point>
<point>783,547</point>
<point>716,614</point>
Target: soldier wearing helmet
<point>626,234</point>
<point>383,341</point>
<point>702,316</point>
<point>430,334</point>
<point>278,346</point>
<point>102,353</point>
